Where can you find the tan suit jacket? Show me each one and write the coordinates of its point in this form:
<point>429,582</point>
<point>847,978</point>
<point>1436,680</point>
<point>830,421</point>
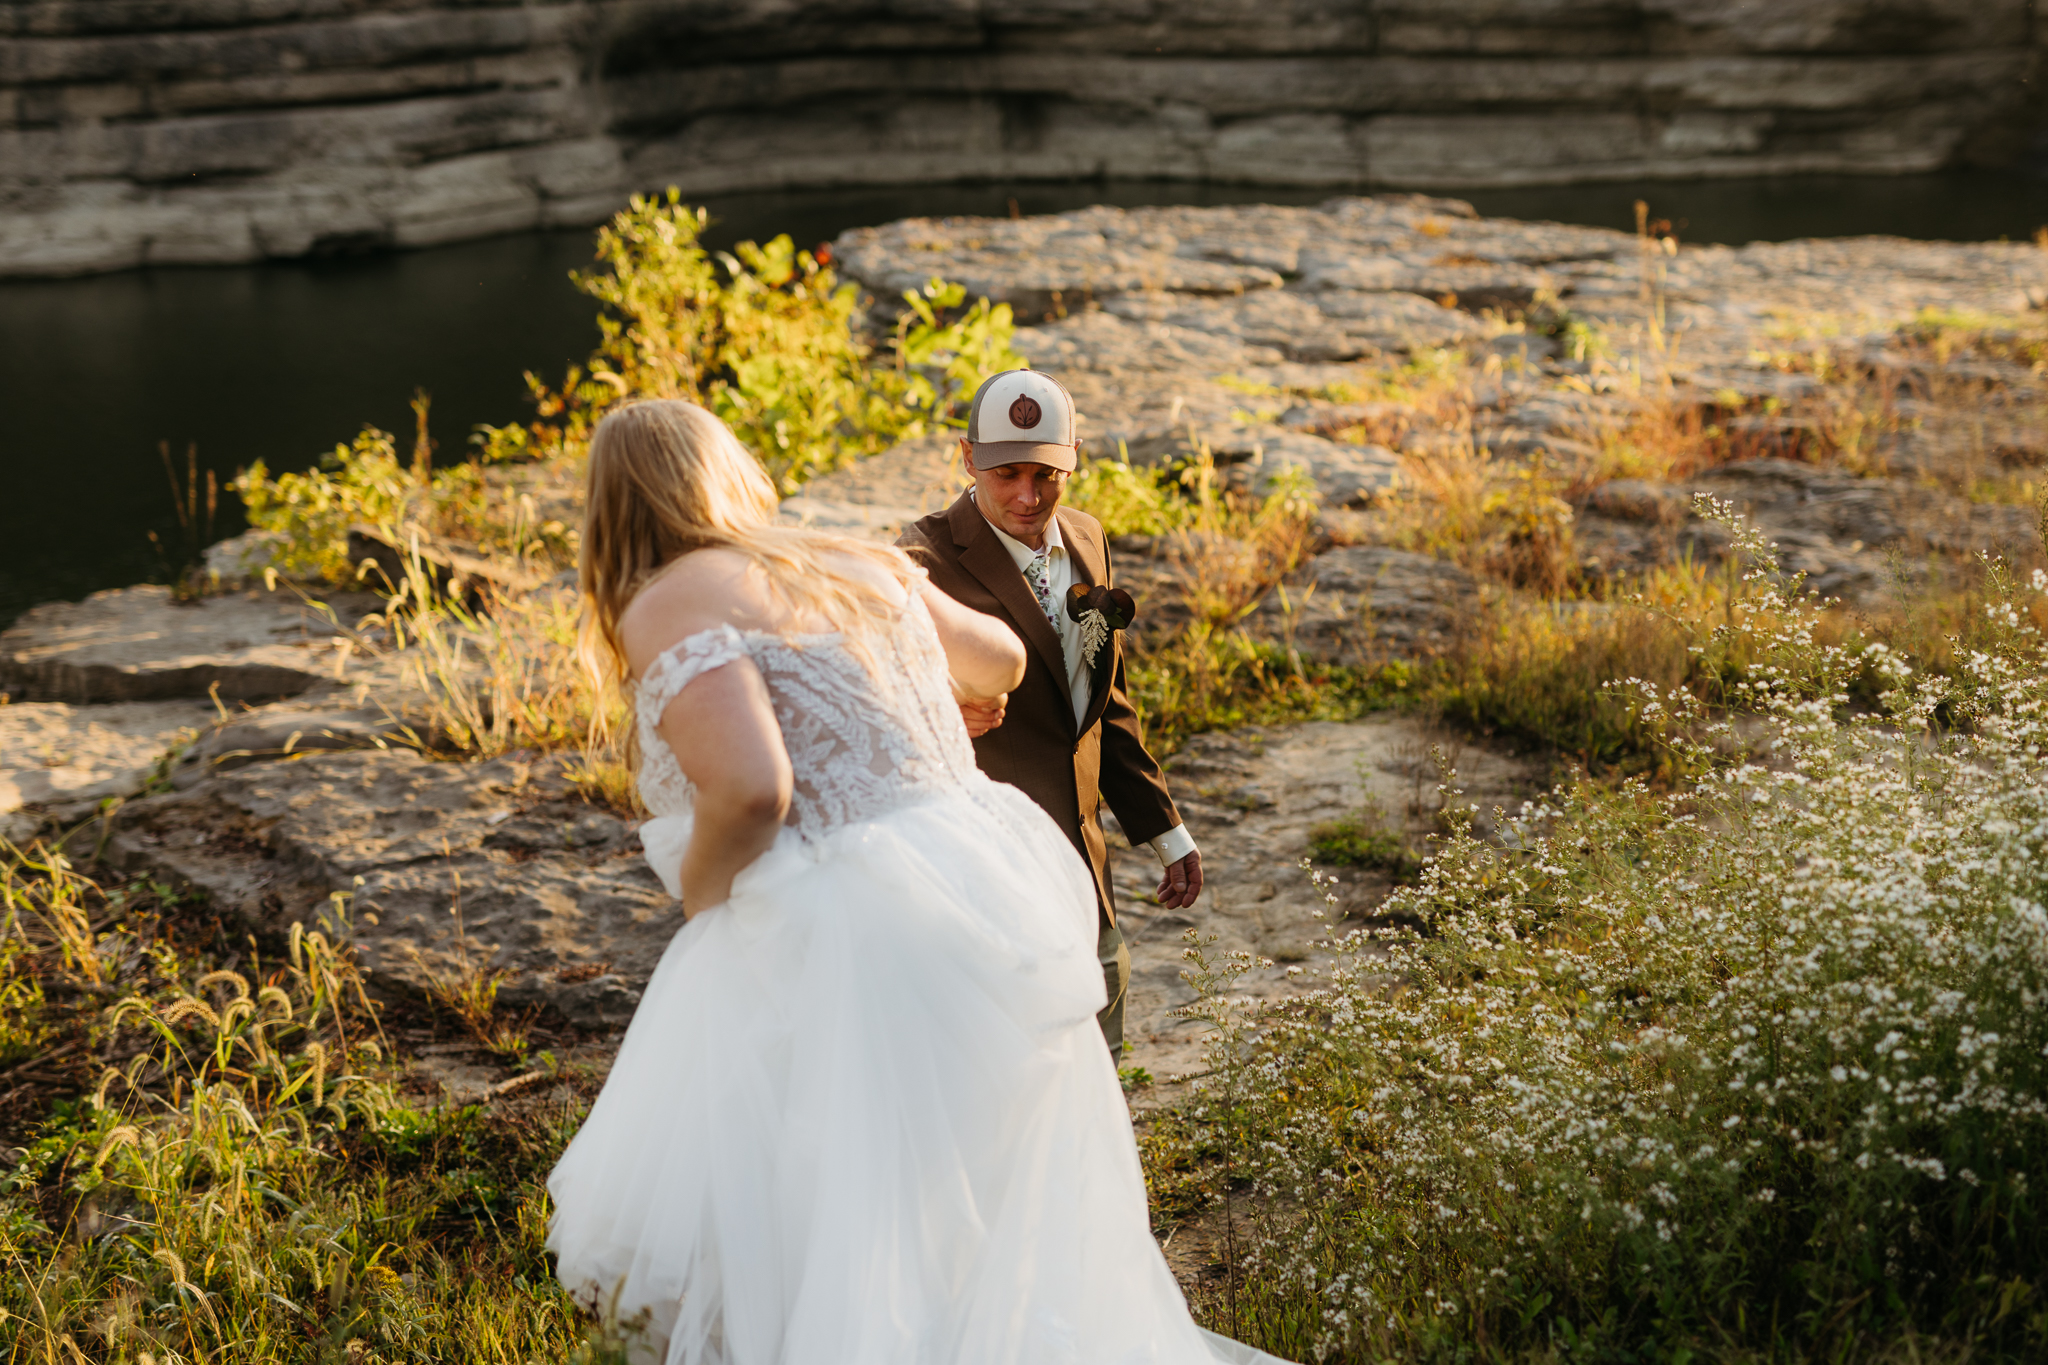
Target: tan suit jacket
<point>1068,768</point>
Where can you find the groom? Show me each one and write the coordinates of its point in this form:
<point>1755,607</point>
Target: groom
<point>1067,736</point>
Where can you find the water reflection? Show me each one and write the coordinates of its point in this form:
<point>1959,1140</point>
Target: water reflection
<point>280,361</point>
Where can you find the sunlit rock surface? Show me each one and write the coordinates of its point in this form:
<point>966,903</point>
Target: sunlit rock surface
<point>452,867</point>
<point>1250,798</point>
<point>232,130</point>
<point>53,753</point>
<point>137,644</point>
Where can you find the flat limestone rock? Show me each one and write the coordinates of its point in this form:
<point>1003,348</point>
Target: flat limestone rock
<point>922,473</point>
<point>1250,798</point>
<point>56,758</point>
<point>1357,276</point>
<point>450,867</point>
<point>1039,265</point>
<point>55,753</point>
<point>136,644</point>
<point>877,497</point>
<point>284,729</point>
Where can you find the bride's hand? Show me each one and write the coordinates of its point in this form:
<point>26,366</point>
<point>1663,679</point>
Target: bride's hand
<point>710,895</point>
<point>982,714</point>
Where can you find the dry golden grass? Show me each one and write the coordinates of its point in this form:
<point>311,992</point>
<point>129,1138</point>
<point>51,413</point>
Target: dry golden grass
<point>1505,519</point>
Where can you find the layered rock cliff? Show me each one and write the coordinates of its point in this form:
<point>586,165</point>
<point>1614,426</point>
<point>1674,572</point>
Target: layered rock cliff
<point>140,131</point>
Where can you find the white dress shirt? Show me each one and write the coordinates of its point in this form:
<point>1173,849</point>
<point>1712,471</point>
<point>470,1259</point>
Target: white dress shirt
<point>1176,843</point>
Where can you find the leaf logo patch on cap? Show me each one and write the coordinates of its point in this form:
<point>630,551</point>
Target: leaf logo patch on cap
<point>1025,412</point>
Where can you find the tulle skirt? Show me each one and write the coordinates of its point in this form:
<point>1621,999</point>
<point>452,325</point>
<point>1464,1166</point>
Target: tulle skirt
<point>864,1116</point>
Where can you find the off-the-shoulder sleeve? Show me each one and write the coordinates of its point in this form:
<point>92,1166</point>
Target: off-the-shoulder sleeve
<point>682,663</point>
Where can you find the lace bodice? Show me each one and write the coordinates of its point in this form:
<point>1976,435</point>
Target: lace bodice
<point>859,743</point>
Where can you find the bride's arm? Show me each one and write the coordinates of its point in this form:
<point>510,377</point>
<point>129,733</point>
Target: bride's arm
<point>984,656</point>
<point>724,734</point>
<point>721,727</point>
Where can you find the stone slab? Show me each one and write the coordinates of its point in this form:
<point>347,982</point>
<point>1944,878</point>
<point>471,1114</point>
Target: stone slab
<point>1363,604</point>
<point>56,753</point>
<point>137,644</point>
<point>451,867</point>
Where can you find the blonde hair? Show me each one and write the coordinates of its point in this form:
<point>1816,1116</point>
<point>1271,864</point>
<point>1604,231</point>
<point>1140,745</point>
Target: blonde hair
<point>666,477</point>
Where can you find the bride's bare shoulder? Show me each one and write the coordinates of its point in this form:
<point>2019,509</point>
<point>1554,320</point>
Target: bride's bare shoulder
<point>701,590</point>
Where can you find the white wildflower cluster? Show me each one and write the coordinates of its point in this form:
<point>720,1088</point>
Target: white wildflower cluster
<point>1780,1037</point>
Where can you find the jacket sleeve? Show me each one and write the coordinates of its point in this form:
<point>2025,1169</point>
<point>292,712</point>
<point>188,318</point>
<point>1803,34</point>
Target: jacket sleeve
<point>1131,780</point>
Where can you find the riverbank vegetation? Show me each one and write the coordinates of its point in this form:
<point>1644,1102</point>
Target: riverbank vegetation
<point>767,337</point>
<point>1746,1070</point>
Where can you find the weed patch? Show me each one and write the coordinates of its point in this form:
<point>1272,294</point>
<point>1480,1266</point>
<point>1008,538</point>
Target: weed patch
<point>238,1176</point>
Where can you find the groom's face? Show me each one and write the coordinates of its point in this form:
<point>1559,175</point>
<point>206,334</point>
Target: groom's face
<point>1019,499</point>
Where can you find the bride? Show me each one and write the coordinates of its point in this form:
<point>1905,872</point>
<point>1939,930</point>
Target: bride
<point>863,1115</point>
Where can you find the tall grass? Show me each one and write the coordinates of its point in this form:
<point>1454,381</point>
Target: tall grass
<point>494,672</point>
<point>242,1179</point>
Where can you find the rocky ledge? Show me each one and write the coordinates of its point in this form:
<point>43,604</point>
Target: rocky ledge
<point>1363,344</point>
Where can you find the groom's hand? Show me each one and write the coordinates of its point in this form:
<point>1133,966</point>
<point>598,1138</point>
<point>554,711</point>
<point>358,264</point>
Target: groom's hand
<point>1182,883</point>
<point>983,714</point>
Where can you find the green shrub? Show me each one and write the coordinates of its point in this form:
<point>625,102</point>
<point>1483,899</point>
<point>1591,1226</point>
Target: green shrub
<point>766,336</point>
<point>1129,500</point>
<point>771,347</point>
<point>1753,1070</point>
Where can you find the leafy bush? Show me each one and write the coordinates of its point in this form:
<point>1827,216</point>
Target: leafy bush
<point>766,336</point>
<point>773,348</point>
<point>1129,500</point>
<point>1756,1069</point>
<point>363,483</point>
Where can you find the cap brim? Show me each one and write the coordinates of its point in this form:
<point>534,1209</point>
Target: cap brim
<point>990,454</point>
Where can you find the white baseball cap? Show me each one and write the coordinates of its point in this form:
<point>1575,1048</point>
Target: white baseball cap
<point>1023,417</point>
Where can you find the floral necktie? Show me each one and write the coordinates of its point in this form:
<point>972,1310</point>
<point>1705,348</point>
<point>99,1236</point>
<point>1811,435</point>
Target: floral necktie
<point>1038,573</point>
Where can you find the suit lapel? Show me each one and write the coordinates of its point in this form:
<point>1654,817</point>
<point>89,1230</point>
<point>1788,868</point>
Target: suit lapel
<point>1091,567</point>
<point>983,556</point>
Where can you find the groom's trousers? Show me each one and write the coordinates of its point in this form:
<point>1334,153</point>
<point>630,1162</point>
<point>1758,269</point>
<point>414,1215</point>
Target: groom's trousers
<point>1115,956</point>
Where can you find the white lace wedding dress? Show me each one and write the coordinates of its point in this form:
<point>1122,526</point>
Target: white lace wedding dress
<point>864,1115</point>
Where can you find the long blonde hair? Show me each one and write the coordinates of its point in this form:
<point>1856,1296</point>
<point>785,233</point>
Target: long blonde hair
<point>667,477</point>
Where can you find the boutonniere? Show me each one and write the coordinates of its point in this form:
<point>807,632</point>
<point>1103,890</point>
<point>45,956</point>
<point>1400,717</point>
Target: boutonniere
<point>1099,611</point>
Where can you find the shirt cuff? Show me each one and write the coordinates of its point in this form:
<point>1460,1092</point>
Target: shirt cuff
<point>1173,845</point>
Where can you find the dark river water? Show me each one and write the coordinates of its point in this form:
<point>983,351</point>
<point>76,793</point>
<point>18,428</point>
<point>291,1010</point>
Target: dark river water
<point>281,361</point>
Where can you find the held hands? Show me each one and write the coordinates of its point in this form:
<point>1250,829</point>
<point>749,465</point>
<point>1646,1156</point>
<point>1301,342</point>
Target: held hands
<point>1181,883</point>
<point>982,714</point>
